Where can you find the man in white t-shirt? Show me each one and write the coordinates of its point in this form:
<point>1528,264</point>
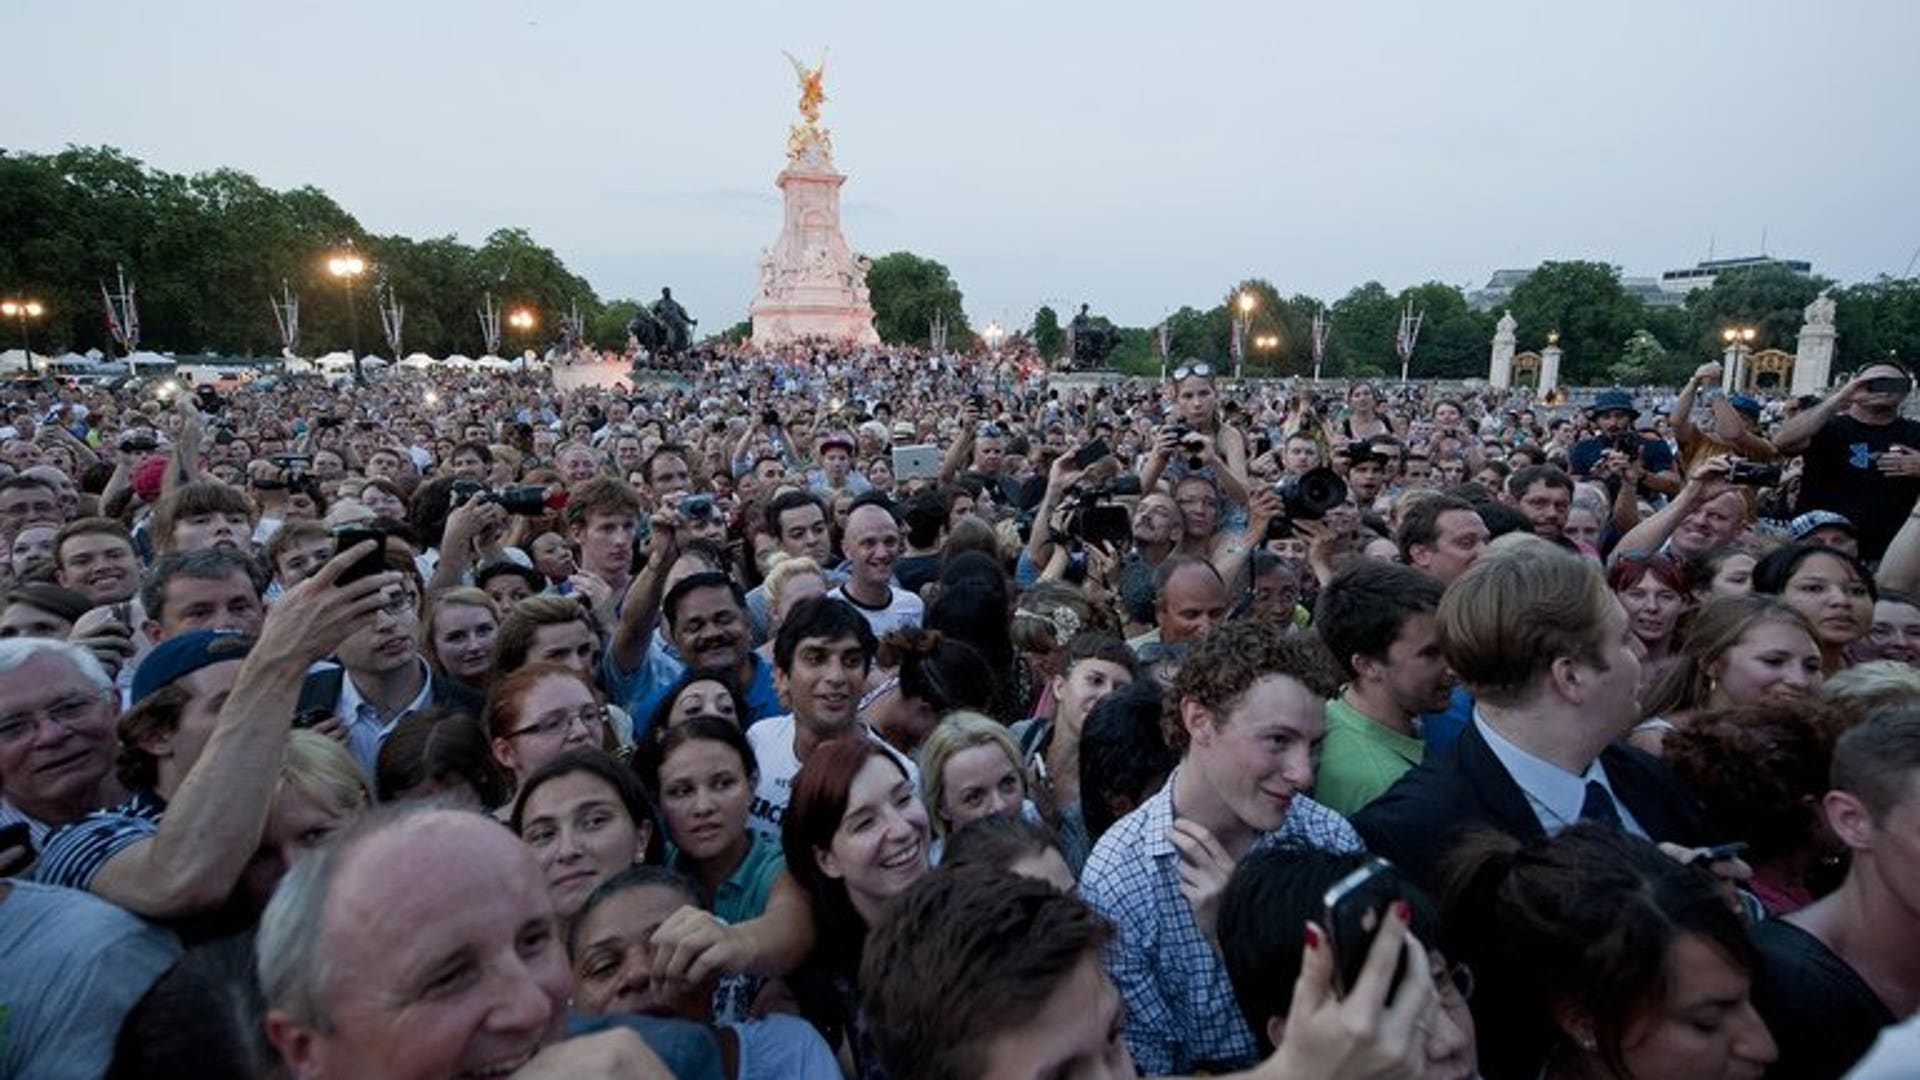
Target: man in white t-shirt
<point>871,546</point>
<point>820,659</point>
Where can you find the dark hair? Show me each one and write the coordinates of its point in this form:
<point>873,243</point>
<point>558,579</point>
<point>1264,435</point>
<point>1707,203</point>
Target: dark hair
<point>477,449</point>
<point>730,680</point>
<point>1098,645</point>
<point>815,809</point>
<point>1770,574</point>
<point>429,508</point>
<point>1361,611</point>
<point>207,564</point>
<point>926,518</point>
<point>995,843</point>
<point>1420,525</point>
<point>1550,475</point>
<point>52,599</point>
<point>638,876</point>
<point>942,671</point>
<point>974,608</point>
<point>706,579</point>
<point>792,500</point>
<point>90,526</point>
<point>598,763</point>
<point>966,956</point>
<point>204,1018</point>
<point>828,618</point>
<point>1263,913</point>
<point>1124,756</point>
<point>664,450</point>
<point>437,746</point>
<point>1759,771</point>
<point>1502,519</point>
<point>1877,759</point>
<point>651,755</point>
<point>189,500</point>
<point>1701,569</point>
<point>1583,920</point>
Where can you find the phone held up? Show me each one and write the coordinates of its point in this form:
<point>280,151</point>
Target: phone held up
<point>1356,907</point>
<point>346,537</point>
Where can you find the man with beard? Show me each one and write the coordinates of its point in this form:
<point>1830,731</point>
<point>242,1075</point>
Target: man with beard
<point>1862,457</point>
<point>1377,618</point>
<point>706,616</point>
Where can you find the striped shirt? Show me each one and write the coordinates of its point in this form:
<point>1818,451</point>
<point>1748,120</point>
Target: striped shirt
<point>75,853</point>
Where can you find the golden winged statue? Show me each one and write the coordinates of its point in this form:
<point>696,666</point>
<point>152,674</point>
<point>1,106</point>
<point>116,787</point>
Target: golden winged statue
<point>812,93</point>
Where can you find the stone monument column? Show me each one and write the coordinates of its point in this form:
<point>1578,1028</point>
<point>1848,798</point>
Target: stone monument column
<point>811,285</point>
<point>1813,357</point>
<point>1500,365</point>
<point>1549,365</point>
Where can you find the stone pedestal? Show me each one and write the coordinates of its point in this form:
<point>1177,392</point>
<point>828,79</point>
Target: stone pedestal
<point>1813,356</point>
<point>811,286</point>
<point>1500,364</point>
<point>1549,369</point>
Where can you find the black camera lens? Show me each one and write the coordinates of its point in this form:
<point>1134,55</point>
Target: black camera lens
<point>1309,496</point>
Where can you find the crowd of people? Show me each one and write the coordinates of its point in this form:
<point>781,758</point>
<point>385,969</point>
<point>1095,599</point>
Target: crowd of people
<point>818,712</point>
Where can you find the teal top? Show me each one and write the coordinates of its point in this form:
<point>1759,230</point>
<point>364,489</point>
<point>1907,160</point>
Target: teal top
<point>1360,759</point>
<point>743,895</point>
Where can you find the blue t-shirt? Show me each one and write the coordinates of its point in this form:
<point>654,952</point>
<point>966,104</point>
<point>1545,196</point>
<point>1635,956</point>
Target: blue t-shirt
<point>762,699</point>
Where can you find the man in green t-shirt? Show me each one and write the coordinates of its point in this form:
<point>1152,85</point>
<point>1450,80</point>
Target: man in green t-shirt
<point>1378,620</point>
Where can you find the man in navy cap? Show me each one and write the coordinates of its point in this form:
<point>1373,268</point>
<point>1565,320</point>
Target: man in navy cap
<point>1618,446</point>
<point>201,750</point>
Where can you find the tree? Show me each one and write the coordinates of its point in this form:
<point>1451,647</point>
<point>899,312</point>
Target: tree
<point>1771,299</point>
<point>1048,338</point>
<point>1584,302</point>
<point>1877,320</point>
<point>1363,324</point>
<point>1640,359</point>
<point>908,291</point>
<point>1454,339</point>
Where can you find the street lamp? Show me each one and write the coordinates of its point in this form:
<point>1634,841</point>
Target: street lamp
<point>23,310</point>
<point>1739,341</point>
<point>347,266</point>
<point>1246,303</point>
<point>521,319</point>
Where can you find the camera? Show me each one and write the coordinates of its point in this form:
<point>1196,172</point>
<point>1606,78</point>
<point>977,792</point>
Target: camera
<point>697,507</point>
<point>1627,442</point>
<point>1754,474</point>
<point>525,500</point>
<point>1092,517</point>
<point>1306,497</point>
<point>139,444</point>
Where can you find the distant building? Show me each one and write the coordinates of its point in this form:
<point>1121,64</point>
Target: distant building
<point>1668,290</point>
<point>1702,275</point>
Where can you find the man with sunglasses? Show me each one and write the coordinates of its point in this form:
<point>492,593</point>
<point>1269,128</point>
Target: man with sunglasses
<point>1861,457</point>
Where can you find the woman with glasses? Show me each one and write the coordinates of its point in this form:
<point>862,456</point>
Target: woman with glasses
<point>540,712</point>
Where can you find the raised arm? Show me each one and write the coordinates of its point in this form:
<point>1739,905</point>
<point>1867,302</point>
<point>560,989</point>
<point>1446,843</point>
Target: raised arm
<point>1708,480</point>
<point>1793,435</point>
<point>640,611</point>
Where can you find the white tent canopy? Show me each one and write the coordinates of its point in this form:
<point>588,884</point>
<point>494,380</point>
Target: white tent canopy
<point>417,360</point>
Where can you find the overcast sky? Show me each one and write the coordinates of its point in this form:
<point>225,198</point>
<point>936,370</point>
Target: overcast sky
<point>1138,156</point>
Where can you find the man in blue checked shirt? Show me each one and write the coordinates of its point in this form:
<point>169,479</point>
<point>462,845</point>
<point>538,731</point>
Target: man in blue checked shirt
<point>1252,709</point>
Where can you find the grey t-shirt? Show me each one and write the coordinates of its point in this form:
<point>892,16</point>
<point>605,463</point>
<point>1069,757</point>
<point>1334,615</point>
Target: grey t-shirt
<point>75,966</point>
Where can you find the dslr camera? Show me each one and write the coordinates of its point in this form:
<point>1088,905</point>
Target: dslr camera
<point>1092,516</point>
<point>1306,497</point>
<point>525,500</point>
<point>1754,473</point>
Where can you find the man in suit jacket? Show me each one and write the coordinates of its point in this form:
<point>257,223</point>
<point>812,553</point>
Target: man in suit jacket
<point>1546,649</point>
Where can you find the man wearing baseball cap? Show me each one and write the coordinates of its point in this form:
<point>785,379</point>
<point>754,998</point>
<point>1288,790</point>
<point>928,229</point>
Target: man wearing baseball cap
<point>201,751</point>
<point>1613,413</point>
<point>1826,528</point>
<point>835,476</point>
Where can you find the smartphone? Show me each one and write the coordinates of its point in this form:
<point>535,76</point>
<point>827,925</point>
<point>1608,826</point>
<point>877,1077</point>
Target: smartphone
<point>1090,453</point>
<point>916,462</point>
<point>346,537</point>
<point>1356,905</point>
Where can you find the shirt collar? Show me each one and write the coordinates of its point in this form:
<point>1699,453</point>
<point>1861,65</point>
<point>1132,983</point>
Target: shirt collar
<point>1549,787</point>
<point>353,704</point>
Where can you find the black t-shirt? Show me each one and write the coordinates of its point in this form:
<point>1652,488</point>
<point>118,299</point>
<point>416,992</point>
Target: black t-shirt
<point>1840,476</point>
<point>1823,1016</point>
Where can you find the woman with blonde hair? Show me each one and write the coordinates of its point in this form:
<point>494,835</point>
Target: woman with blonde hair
<point>321,791</point>
<point>1738,650</point>
<point>970,769</point>
<point>457,634</point>
<point>790,579</point>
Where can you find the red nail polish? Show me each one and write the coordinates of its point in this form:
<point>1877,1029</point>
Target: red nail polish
<point>1313,937</point>
<point>1403,911</point>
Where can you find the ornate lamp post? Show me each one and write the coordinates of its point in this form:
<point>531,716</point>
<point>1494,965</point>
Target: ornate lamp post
<point>1245,303</point>
<point>348,266</point>
<point>23,310</point>
<point>522,321</point>
<point>1739,341</point>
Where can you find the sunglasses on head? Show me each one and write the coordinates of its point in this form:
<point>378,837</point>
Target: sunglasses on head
<point>1203,369</point>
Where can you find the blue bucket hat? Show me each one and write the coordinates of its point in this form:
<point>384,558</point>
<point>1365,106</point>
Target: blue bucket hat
<point>1614,401</point>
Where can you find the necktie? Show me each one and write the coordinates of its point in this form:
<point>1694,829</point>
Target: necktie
<point>1598,806</point>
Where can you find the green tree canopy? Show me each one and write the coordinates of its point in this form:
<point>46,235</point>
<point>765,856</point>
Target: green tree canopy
<point>908,291</point>
<point>1771,299</point>
<point>1584,302</point>
<point>1048,337</point>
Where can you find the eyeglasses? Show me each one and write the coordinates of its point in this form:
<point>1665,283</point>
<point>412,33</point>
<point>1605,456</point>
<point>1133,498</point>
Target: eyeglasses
<point>399,606</point>
<point>66,712</point>
<point>591,719</point>
<point>1885,632</point>
<point>1202,369</point>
